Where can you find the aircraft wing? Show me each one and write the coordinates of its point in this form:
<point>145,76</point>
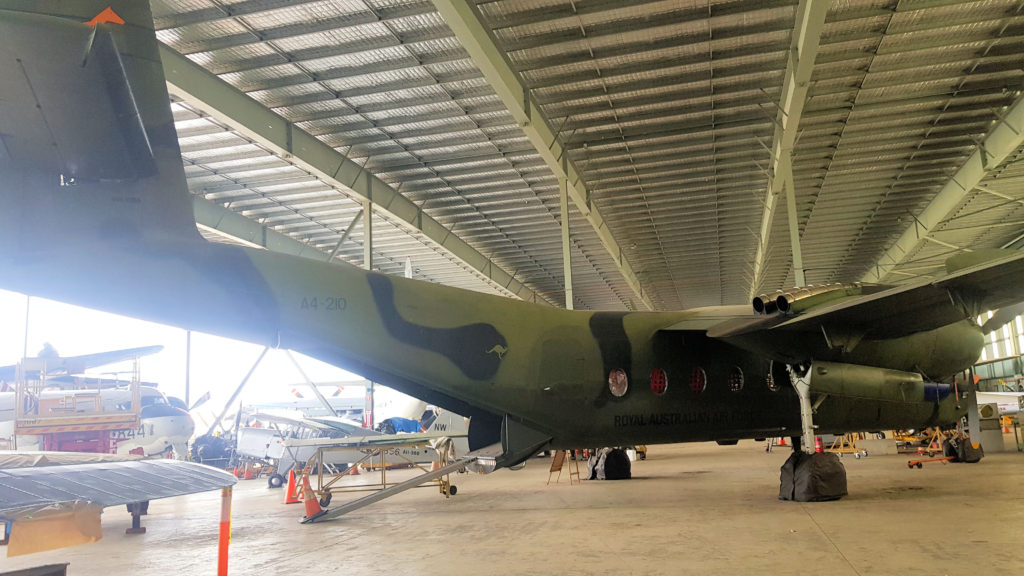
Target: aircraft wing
<point>347,427</point>
<point>369,441</point>
<point>906,309</point>
<point>29,490</point>
<point>77,364</point>
<point>289,419</point>
<point>53,506</point>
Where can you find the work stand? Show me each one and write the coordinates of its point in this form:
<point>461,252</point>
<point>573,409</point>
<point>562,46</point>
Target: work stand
<point>138,510</point>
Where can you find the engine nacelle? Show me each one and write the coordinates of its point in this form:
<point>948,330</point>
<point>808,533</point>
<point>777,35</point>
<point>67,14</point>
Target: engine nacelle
<point>802,298</point>
<point>870,383</point>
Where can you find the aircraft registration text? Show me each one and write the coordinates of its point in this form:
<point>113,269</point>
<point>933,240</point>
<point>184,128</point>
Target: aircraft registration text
<point>326,303</point>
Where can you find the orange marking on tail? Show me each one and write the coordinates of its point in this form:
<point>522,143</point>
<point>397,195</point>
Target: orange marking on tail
<point>105,17</point>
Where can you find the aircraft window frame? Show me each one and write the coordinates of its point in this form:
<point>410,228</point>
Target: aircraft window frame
<point>698,380</point>
<point>659,381</point>
<point>618,382</point>
<point>736,379</point>
<point>154,400</point>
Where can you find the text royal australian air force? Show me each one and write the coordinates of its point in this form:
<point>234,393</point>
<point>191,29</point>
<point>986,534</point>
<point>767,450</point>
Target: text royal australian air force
<point>674,418</point>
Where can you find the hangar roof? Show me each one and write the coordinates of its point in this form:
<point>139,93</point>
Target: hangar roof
<point>676,128</point>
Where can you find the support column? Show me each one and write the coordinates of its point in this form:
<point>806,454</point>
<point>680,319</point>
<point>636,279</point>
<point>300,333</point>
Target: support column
<point>368,418</point>
<point>368,264</point>
<point>368,234</point>
<point>24,343</point>
<point>786,167</point>
<point>566,252</point>
<point>188,367</point>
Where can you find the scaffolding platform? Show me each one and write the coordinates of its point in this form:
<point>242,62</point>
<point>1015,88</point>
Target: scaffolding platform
<point>70,420</point>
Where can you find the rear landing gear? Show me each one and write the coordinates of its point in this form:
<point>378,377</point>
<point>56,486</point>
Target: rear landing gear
<point>808,476</point>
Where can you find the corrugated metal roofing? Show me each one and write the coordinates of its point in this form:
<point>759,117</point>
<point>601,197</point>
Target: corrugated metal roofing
<point>666,108</point>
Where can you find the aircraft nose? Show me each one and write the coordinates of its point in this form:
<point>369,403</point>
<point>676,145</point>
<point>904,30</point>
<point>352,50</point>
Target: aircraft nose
<point>161,411</point>
<point>180,419</point>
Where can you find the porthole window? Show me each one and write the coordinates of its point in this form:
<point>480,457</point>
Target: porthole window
<point>736,379</point>
<point>617,382</point>
<point>698,380</point>
<point>659,381</point>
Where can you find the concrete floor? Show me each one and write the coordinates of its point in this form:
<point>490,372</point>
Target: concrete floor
<point>689,509</point>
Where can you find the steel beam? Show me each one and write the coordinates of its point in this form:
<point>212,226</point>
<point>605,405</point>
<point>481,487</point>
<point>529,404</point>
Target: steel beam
<point>368,234</point>
<point>810,20</point>
<point>228,223</point>
<point>216,97</point>
<point>1006,136</point>
<point>463,18</point>
<point>566,245</point>
<point>786,174</point>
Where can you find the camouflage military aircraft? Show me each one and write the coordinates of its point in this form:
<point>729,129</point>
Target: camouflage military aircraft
<point>92,187</point>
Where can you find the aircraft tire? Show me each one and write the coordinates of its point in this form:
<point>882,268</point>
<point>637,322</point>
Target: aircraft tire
<point>275,481</point>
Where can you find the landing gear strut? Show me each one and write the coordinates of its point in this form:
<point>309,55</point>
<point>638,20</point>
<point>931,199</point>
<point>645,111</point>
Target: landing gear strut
<point>801,379</point>
<point>808,476</point>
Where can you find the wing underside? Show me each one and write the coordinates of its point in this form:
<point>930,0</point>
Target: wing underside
<point>902,310</point>
<point>35,490</point>
<point>53,505</point>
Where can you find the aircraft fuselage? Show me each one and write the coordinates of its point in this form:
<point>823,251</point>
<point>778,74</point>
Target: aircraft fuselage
<point>487,357</point>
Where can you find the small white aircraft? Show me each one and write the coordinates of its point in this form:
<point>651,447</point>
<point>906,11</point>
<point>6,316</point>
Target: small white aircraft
<point>289,451</point>
<point>1009,403</point>
<point>288,437</point>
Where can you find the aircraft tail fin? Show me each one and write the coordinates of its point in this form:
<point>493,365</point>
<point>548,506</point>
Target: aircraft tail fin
<point>88,150</point>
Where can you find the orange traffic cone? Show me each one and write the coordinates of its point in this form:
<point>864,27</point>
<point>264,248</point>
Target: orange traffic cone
<point>353,470</point>
<point>247,475</point>
<point>312,506</point>
<point>290,493</point>
<point>782,440</point>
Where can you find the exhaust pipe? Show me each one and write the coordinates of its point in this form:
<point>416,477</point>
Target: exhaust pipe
<point>798,299</point>
<point>766,303</point>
